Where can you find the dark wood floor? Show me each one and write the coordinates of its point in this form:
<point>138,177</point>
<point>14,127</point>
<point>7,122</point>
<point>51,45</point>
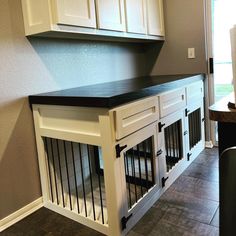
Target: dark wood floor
<point>189,207</point>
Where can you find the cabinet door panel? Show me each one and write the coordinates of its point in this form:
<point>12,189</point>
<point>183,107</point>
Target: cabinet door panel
<point>136,16</point>
<point>76,12</point>
<point>110,14</point>
<point>155,17</point>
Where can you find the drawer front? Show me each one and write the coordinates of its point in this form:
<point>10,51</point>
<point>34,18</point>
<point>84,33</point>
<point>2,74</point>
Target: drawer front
<point>194,92</point>
<point>172,101</point>
<point>132,117</point>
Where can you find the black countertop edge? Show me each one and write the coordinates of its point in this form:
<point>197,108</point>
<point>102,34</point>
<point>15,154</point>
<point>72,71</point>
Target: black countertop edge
<point>112,94</point>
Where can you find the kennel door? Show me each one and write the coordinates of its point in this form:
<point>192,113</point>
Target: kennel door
<point>171,133</point>
<point>140,172</point>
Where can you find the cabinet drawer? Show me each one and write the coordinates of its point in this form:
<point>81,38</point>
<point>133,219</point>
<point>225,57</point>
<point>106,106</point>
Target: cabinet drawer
<point>131,117</point>
<point>172,101</point>
<point>194,92</point>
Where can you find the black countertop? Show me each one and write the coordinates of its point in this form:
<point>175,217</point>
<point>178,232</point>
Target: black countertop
<point>115,93</point>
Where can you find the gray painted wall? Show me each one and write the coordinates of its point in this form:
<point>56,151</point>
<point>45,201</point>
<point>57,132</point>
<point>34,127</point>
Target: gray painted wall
<point>184,26</point>
<point>39,65</point>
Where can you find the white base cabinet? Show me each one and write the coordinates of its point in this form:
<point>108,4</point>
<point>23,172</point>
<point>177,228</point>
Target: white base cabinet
<point>105,168</point>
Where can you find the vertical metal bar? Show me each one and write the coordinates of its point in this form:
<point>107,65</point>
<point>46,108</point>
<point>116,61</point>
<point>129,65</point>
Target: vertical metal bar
<point>169,147</point>
<point>140,172</point>
<point>166,141</point>
<point>82,176</point>
<point>91,182</point>
<point>200,124</point>
<point>67,174</point>
<point>193,123</point>
<point>145,158</point>
<point>151,159</point>
<point>96,154</point>
<point>127,166</point>
<point>180,139</point>
<point>176,146</point>
<point>191,130</point>
<point>49,169</point>
<point>133,170</point>
<point>173,140</point>
<point>177,138</point>
<point>54,170</point>
<point>59,163</point>
<point>75,178</point>
<point>195,128</point>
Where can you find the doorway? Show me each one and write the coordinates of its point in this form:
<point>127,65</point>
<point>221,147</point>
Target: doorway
<point>220,18</point>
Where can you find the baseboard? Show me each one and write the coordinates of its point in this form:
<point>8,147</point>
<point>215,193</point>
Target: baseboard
<point>209,144</point>
<point>20,214</point>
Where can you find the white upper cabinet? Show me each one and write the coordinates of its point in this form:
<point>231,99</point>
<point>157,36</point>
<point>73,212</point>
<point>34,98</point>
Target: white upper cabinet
<point>111,14</point>
<point>155,20</point>
<point>136,18</point>
<point>75,12</point>
<point>94,19</point>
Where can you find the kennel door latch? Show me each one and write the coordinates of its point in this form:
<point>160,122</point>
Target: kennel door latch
<point>124,221</point>
<point>119,150</point>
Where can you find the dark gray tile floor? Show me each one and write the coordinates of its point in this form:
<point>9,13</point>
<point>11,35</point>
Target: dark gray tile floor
<point>190,207</point>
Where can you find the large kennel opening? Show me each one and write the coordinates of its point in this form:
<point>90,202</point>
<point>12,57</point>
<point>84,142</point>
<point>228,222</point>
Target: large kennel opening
<point>73,180</point>
<point>139,170</point>
<point>173,144</point>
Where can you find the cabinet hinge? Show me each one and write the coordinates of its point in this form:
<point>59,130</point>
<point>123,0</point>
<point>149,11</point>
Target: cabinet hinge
<point>124,221</point>
<point>186,112</point>
<point>185,132</point>
<point>159,152</point>
<point>211,65</point>
<point>160,126</point>
<point>188,156</point>
<point>203,119</point>
<point>119,150</point>
<point>163,181</point>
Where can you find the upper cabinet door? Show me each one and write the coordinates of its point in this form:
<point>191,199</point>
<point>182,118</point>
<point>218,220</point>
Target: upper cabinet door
<point>136,16</point>
<point>155,17</point>
<point>76,12</point>
<point>111,14</point>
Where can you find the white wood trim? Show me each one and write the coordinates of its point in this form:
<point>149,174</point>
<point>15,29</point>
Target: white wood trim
<point>20,214</point>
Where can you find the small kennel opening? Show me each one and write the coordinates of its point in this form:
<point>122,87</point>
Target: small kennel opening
<point>73,180</point>
<point>139,171</point>
<point>173,144</point>
<point>194,123</point>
